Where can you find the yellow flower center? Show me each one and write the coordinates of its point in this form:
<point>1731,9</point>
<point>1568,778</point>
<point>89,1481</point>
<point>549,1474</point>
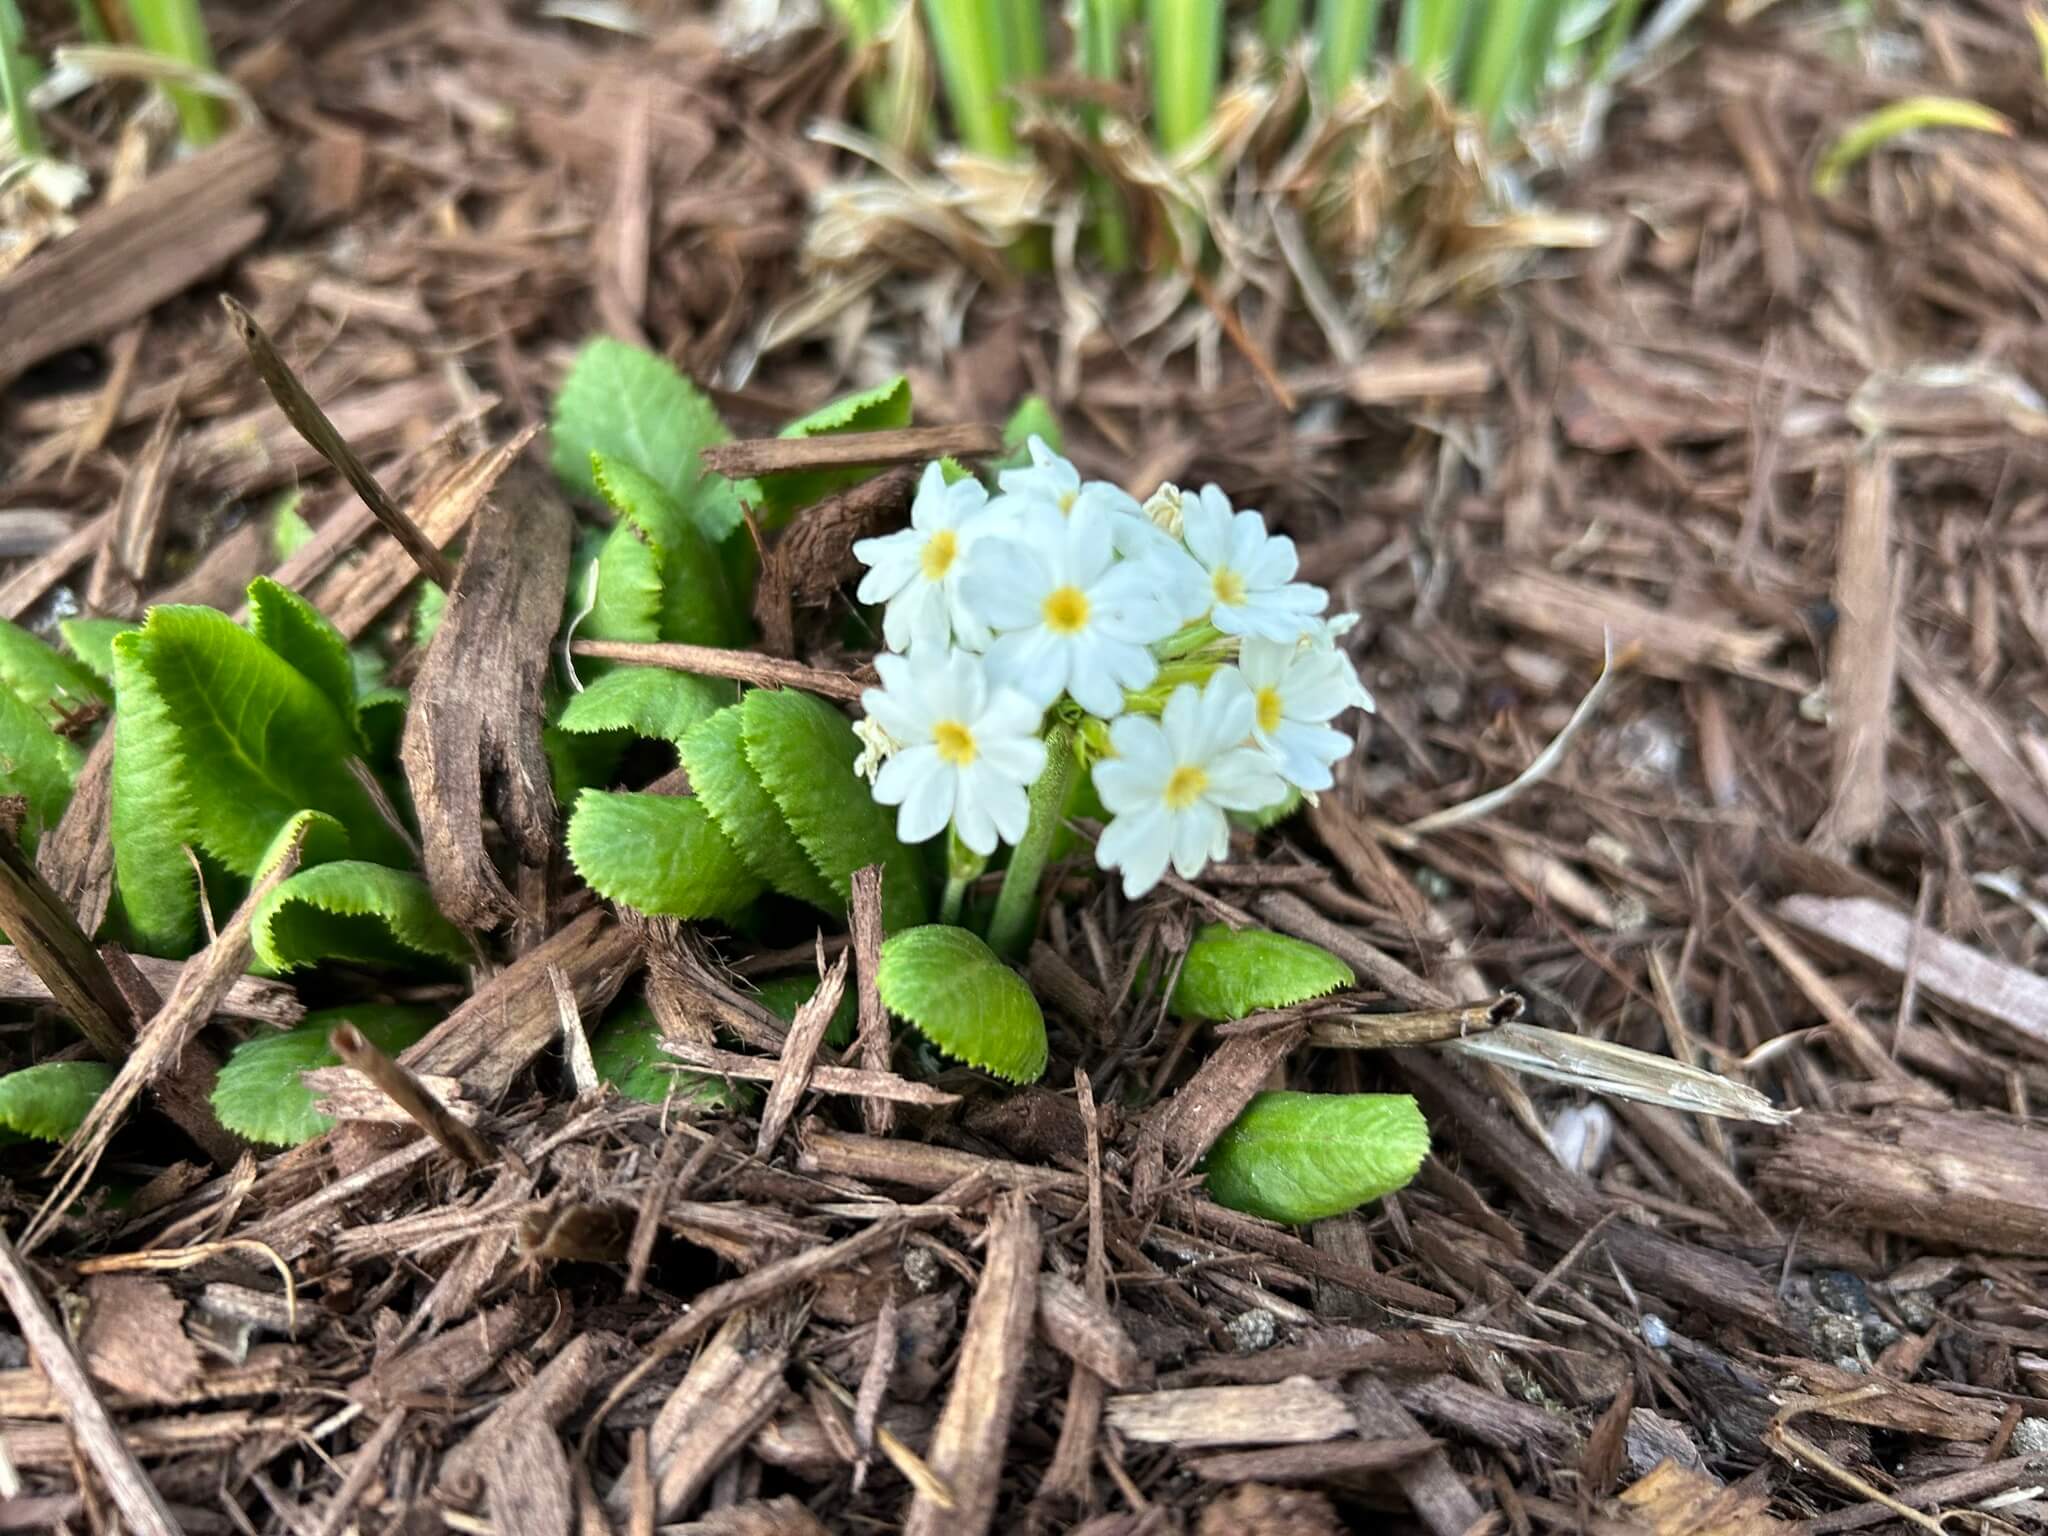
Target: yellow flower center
<point>1066,611</point>
<point>940,550</point>
<point>1269,708</point>
<point>1067,499</point>
<point>1228,586</point>
<point>955,743</point>
<point>1185,787</point>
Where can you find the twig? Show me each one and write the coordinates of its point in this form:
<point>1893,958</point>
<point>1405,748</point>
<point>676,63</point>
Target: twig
<point>142,1507</point>
<point>742,666</point>
<point>751,456</point>
<point>311,423</point>
<point>1426,1026</point>
<point>1546,761</point>
<point>403,1089</point>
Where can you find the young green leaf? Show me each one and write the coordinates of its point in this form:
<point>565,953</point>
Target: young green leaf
<point>260,1094</point>
<point>253,737</point>
<point>362,913</point>
<point>51,1100</point>
<point>803,751</point>
<point>319,838</point>
<point>959,996</point>
<point>871,410</point>
<point>36,764</point>
<point>783,995</point>
<point>1032,418</point>
<point>635,409</point>
<point>289,532</point>
<point>300,634</point>
<point>627,603</point>
<point>695,603</point>
<point>652,702</point>
<point>1299,1157</point>
<point>627,1054</point>
<point>661,854</point>
<point>1231,972</point>
<point>720,776</point>
<point>92,642</point>
<point>153,813</point>
<point>52,684</point>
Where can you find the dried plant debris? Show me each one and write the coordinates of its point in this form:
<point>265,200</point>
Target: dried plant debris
<point>1720,1002</point>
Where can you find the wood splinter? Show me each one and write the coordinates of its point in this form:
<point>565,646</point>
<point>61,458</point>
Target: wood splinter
<point>403,1089</point>
<point>311,423</point>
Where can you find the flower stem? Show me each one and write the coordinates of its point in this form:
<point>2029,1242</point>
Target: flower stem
<point>1016,915</point>
<point>963,868</point>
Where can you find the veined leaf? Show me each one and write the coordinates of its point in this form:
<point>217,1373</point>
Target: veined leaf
<point>627,1054</point>
<point>256,739</point>
<point>92,642</point>
<point>634,408</point>
<point>783,995</point>
<point>37,764</point>
<point>1231,972</point>
<point>50,1101</point>
<point>627,604</point>
<point>153,812</point>
<point>653,702</point>
<point>696,606</point>
<point>661,854</point>
<point>725,784</point>
<point>46,680</point>
<point>959,996</point>
<point>364,913</point>
<point>1298,1157</point>
<point>871,410</point>
<point>300,634</point>
<point>797,746</point>
<point>260,1093</point>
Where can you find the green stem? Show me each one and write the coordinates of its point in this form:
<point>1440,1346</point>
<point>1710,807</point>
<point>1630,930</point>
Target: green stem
<point>1344,36</point>
<point>967,39</point>
<point>1186,42</point>
<point>1503,43</point>
<point>1016,914</point>
<point>175,29</point>
<point>963,868</point>
<point>1431,34</point>
<point>17,78</point>
<point>1101,36</point>
<point>1279,25</point>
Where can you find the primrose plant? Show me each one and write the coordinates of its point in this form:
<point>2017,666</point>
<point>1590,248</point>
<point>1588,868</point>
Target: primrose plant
<point>1061,629</point>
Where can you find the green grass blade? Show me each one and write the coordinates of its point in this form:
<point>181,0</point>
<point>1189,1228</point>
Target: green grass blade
<point>1344,36</point>
<point>17,78</point>
<point>1280,24</point>
<point>1621,24</point>
<point>1186,40</point>
<point>1498,59</point>
<point>1023,48</point>
<point>967,39</point>
<point>1546,55</point>
<point>1432,33</point>
<point>1102,27</point>
<point>175,29</point>
<point>1877,128</point>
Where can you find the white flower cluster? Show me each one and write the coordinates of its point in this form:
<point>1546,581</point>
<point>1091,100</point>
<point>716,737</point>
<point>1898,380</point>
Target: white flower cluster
<point>1203,677</point>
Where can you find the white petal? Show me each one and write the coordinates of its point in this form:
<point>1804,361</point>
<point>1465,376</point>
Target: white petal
<point>1205,524</point>
<point>972,821</point>
<point>1138,844</point>
<point>1032,661</point>
<point>1019,759</point>
<point>1245,779</point>
<point>929,805</point>
<point>1143,744</point>
<point>1199,835</point>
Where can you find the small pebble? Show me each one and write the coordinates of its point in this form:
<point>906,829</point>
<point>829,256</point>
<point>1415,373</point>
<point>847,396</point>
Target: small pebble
<point>1916,1309</point>
<point>921,1270</point>
<point>1841,1292</point>
<point>1879,1335</point>
<point>1253,1330</point>
<point>1839,1339</point>
<point>2030,1437</point>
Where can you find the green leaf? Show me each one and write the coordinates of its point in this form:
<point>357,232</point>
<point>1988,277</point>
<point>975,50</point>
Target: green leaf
<point>634,408</point>
<point>366,914</point>
<point>37,764</point>
<point>654,702</point>
<point>381,713</point>
<point>253,737</point>
<point>260,1094</point>
<point>92,642</point>
<point>300,634</point>
<point>1231,972</point>
<point>964,1000</point>
<point>627,604</point>
<point>783,995</point>
<point>426,614</point>
<point>879,409</point>
<point>1267,815</point>
<point>803,751</point>
<point>51,1101</point>
<point>695,603</point>
<point>153,812</point>
<point>52,684</point>
<point>661,854</point>
<point>627,1054</point>
<point>1298,1157</point>
<point>723,781</point>
<point>319,838</point>
<point>1032,418</point>
<point>289,532</point>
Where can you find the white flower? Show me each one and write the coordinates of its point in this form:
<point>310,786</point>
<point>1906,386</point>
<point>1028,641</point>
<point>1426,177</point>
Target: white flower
<point>1250,571</point>
<point>1067,615</point>
<point>1172,779</point>
<point>966,750</point>
<point>1324,635</point>
<point>877,746</point>
<point>917,570</point>
<point>1162,508</point>
<point>1297,689</point>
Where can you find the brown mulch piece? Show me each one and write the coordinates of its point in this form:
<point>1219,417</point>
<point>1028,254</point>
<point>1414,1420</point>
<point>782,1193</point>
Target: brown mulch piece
<point>1785,455</point>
